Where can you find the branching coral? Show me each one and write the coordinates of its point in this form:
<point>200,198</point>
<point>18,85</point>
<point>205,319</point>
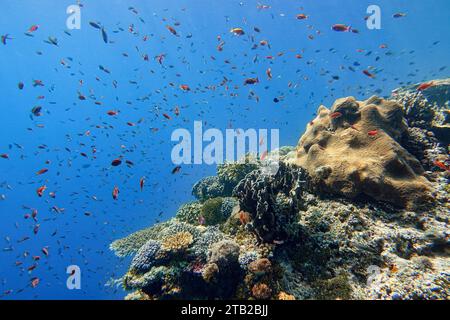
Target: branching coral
<point>146,257</point>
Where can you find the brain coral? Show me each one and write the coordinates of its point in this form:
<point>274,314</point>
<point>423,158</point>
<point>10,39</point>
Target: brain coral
<point>354,149</point>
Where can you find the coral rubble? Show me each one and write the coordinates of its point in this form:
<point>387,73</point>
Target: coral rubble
<point>359,210</point>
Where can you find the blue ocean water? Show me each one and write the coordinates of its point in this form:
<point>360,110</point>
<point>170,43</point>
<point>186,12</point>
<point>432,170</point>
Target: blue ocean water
<point>76,140</point>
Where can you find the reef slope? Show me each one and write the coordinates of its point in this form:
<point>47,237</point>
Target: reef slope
<point>358,210</point>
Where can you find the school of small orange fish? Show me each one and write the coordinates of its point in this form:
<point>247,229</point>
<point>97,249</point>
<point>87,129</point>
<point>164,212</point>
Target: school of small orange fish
<point>259,65</point>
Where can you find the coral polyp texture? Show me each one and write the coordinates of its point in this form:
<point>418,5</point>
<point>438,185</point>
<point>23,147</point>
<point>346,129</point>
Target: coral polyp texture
<point>358,210</point>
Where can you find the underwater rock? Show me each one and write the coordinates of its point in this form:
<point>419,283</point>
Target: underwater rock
<point>354,149</point>
<point>273,200</point>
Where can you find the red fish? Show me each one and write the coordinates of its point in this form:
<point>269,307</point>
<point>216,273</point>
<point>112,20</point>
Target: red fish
<point>40,191</point>
<point>172,30</point>
<point>367,73</point>
<point>115,193</point>
<point>341,28</point>
<point>269,73</point>
<point>441,165</point>
<point>425,86</point>
<point>302,16</point>
<point>38,83</point>
<point>35,282</point>
<point>335,115</point>
<point>112,113</point>
<point>42,171</point>
<point>185,87</point>
<point>176,169</point>
<point>33,28</point>
<point>167,116</point>
<point>220,46</point>
<point>141,183</point>
<point>251,81</point>
<point>34,214</point>
<point>237,31</point>
<point>373,133</point>
<point>116,162</point>
<point>264,155</point>
<point>45,251</point>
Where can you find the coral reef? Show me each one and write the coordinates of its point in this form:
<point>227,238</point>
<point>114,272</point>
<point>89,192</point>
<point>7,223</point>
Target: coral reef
<point>346,215</point>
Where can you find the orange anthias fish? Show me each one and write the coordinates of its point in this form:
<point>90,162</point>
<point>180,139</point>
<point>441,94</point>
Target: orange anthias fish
<point>251,81</point>
<point>141,183</point>
<point>335,115</point>
<point>237,31</point>
<point>42,171</point>
<point>441,165</point>
<point>185,87</point>
<point>165,115</point>
<point>115,193</point>
<point>112,113</point>
<point>172,30</point>
<point>264,155</point>
<point>45,251</point>
<point>373,133</point>
<point>244,217</point>
<point>302,16</point>
<point>367,73</point>
<point>425,86</point>
<point>40,191</point>
<point>341,28</point>
<point>269,73</point>
<point>35,282</point>
<point>176,169</point>
<point>33,28</point>
<point>116,162</point>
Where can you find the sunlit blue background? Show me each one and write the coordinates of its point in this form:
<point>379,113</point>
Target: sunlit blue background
<point>84,239</point>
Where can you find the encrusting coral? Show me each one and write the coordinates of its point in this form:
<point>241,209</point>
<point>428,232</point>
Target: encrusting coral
<point>345,216</point>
